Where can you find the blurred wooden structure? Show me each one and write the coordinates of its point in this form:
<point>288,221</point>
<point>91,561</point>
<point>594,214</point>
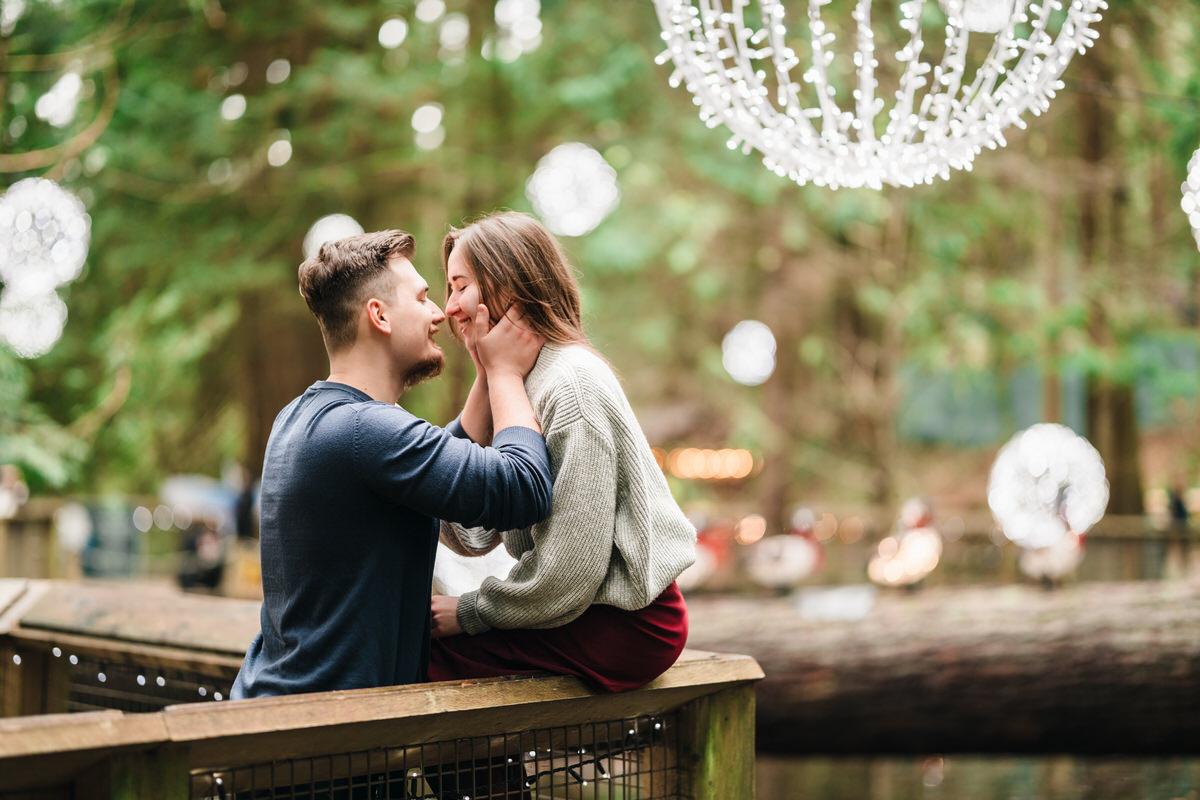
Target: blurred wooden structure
<point>68,646</point>
<point>689,733</point>
<point>27,545</point>
<point>1093,668</point>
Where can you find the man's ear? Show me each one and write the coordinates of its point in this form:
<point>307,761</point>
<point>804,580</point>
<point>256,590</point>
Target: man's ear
<point>379,316</point>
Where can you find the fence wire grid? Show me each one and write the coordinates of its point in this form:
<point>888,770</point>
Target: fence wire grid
<point>629,759</point>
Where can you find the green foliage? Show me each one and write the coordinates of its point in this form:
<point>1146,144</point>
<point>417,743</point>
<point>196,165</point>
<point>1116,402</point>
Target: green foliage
<point>189,300</point>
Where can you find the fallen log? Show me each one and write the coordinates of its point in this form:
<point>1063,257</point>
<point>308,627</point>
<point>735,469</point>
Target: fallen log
<point>1089,669</point>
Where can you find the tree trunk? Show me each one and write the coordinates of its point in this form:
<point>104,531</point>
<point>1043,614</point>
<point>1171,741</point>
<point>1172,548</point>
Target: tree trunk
<point>282,354</point>
<point>1111,410</point>
<point>1112,428</point>
<point>1095,668</point>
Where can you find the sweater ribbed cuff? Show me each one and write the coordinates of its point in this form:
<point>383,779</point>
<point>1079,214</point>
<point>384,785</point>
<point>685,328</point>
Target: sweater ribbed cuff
<point>468,614</point>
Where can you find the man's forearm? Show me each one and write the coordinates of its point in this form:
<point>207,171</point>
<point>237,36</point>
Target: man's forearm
<point>476,417</point>
<point>509,402</point>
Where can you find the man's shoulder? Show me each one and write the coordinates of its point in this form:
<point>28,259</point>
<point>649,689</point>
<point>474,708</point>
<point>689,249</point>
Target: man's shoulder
<point>383,417</point>
<point>383,429</point>
<point>315,420</point>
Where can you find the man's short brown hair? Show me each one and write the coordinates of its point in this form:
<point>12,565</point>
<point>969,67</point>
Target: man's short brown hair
<point>344,273</point>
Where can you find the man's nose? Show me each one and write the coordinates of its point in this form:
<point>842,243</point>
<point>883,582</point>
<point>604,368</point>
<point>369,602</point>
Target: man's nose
<point>439,316</point>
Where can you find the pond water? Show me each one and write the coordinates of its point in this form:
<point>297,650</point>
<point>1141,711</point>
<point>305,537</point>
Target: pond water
<point>978,778</point>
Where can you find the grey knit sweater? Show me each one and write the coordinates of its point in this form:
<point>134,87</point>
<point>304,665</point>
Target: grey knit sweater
<point>615,535</point>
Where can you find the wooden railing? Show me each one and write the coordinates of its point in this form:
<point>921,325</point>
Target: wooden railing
<point>689,733</point>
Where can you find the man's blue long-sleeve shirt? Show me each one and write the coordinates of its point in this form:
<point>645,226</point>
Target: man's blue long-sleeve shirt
<point>352,490</point>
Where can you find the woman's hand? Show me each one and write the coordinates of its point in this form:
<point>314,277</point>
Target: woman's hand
<point>476,417</point>
<point>445,616</point>
<point>472,332</point>
<point>509,347</point>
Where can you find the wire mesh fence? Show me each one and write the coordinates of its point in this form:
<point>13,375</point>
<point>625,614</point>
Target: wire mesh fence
<point>626,759</point>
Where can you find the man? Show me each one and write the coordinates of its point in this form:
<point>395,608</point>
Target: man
<point>353,484</point>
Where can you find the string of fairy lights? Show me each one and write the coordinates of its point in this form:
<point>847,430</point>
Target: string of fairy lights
<point>142,678</point>
<point>737,61</point>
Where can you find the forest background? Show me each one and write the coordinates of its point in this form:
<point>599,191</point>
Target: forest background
<point>916,328</point>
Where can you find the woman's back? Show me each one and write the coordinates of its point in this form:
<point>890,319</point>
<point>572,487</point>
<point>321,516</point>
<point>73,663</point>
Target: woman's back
<point>615,535</point>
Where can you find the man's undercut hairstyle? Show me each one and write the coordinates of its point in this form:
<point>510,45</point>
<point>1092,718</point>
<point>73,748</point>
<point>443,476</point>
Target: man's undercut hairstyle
<point>344,274</point>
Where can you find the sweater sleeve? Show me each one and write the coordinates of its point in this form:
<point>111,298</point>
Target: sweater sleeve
<point>469,542</point>
<point>416,464</point>
<point>557,580</point>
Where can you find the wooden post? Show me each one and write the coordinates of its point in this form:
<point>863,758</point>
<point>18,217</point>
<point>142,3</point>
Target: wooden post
<point>10,682</point>
<point>718,745</point>
<point>162,773</point>
<point>37,685</point>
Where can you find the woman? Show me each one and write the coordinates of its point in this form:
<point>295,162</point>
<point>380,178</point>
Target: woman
<point>593,593</point>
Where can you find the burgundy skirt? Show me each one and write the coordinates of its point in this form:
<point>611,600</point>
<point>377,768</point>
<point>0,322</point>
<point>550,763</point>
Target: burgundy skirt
<point>609,648</point>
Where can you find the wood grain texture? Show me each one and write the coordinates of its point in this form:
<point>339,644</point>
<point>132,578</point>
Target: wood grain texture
<point>1092,668</point>
<point>146,614</point>
<point>219,735</point>
<point>719,745</point>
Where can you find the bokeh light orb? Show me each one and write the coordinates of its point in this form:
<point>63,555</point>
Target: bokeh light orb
<point>573,189</point>
<point>1047,481</point>
<point>31,323</point>
<point>1191,195</point>
<point>700,572</point>
<point>73,526</point>
<point>44,236</point>
<point>430,10</point>
<point>906,560</point>
<point>428,117</point>
<point>329,228</point>
<point>781,562</point>
<point>278,70</point>
<point>520,27</point>
<point>454,32</point>
<point>748,352</point>
<point>750,529</point>
<point>233,107</point>
<point>58,105</point>
<point>279,152</point>
<point>392,33</point>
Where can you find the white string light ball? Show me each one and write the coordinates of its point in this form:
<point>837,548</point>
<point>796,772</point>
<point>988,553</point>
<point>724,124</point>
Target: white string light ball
<point>31,324</point>
<point>573,189</point>
<point>329,228</point>
<point>1047,482</point>
<point>44,236</point>
<point>748,352</point>
<point>781,562</point>
<point>1191,195</point>
<point>746,71</point>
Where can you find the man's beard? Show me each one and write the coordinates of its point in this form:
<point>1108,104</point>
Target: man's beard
<point>424,370</point>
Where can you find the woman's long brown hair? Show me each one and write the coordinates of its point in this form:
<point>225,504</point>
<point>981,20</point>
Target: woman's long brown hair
<point>517,262</point>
